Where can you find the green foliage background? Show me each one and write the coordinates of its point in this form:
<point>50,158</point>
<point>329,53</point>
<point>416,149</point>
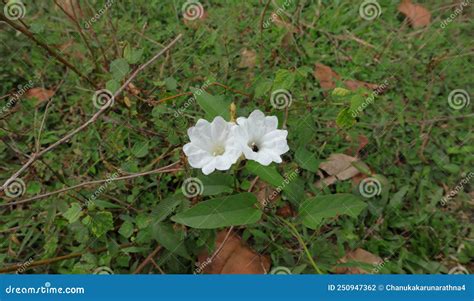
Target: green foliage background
<point>420,145</point>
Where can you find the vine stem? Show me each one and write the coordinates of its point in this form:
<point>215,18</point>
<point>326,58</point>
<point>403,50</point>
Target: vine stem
<point>42,262</point>
<point>104,108</point>
<point>302,243</point>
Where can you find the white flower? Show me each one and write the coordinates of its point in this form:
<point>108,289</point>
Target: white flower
<point>259,138</point>
<point>212,145</point>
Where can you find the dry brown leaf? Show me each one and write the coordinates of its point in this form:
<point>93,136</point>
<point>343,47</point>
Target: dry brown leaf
<point>418,15</point>
<point>339,168</point>
<point>265,193</point>
<point>326,76</point>
<point>234,258</point>
<point>285,211</point>
<point>359,255</point>
<point>248,58</point>
<point>337,163</point>
<point>362,142</point>
<point>356,84</point>
<point>327,79</point>
<point>40,94</point>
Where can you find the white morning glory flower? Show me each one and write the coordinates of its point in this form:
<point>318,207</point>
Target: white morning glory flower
<point>212,145</point>
<point>259,138</point>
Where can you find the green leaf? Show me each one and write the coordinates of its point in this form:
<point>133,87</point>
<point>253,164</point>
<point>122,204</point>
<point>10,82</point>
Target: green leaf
<point>213,105</point>
<point>112,85</point>
<point>172,240</point>
<point>126,230</point>
<point>234,210</point>
<point>262,87</point>
<point>216,183</point>
<point>101,222</point>
<point>340,92</point>
<point>132,55</point>
<point>270,175</point>
<point>397,198</point>
<point>73,213</point>
<point>166,207</point>
<point>356,103</point>
<point>284,79</point>
<point>314,210</point>
<point>307,159</point>
<point>344,118</point>
<point>140,149</point>
<point>119,69</point>
<point>171,84</point>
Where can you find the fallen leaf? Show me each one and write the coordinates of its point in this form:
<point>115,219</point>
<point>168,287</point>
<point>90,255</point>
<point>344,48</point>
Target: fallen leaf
<point>265,193</point>
<point>356,84</point>
<point>417,15</point>
<point>234,258</point>
<point>327,79</point>
<point>359,255</point>
<point>285,211</point>
<point>338,164</point>
<point>248,58</point>
<point>361,144</point>
<point>326,76</point>
<point>339,167</point>
<point>40,94</point>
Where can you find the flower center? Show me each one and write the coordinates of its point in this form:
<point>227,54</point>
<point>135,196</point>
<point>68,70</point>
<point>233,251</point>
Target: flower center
<point>254,147</point>
<point>218,150</point>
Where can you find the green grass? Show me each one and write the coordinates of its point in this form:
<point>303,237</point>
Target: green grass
<point>419,146</point>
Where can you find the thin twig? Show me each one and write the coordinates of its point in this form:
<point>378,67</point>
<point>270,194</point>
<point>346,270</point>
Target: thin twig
<point>55,259</point>
<point>51,51</point>
<point>81,32</point>
<point>35,156</point>
<point>147,260</point>
<point>136,175</point>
